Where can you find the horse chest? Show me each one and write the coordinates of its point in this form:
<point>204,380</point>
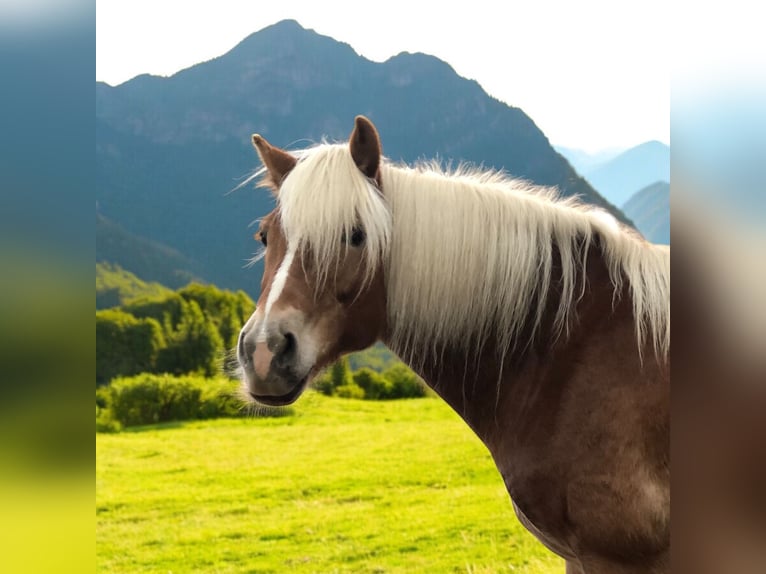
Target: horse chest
<point>574,512</point>
<point>539,503</point>
<point>551,542</point>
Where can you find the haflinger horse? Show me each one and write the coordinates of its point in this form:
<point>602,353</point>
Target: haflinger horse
<point>542,322</point>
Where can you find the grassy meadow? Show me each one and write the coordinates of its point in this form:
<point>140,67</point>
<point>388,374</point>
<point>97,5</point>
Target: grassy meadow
<point>339,486</point>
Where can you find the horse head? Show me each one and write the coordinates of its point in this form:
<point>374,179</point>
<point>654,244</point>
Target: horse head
<point>322,292</point>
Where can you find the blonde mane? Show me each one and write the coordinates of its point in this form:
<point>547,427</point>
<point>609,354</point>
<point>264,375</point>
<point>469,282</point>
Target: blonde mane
<point>467,253</point>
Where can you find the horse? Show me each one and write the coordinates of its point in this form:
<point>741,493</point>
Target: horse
<point>544,323</point>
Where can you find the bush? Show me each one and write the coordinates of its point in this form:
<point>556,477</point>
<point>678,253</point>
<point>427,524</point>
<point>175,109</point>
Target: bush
<point>228,311</point>
<point>340,374</point>
<point>167,310</point>
<point>149,399</point>
<point>396,382</point>
<point>404,382</point>
<point>350,391</point>
<point>105,421</point>
<point>323,383</point>
<point>220,398</point>
<point>125,345</point>
<point>375,387</point>
<point>334,377</point>
<point>194,346</point>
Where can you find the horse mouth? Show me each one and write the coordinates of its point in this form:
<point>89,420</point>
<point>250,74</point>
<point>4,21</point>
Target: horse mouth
<point>282,400</point>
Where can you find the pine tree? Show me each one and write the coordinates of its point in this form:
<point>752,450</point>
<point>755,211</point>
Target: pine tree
<point>340,374</point>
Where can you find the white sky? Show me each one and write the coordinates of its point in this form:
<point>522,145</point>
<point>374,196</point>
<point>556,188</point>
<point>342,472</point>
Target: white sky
<point>592,74</point>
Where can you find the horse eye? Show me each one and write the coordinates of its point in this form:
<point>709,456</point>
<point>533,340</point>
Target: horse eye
<point>261,236</point>
<point>357,237</point>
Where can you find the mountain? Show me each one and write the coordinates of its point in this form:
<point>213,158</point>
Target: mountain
<point>169,151</point>
<point>649,208</point>
<point>585,162</point>
<point>632,170</point>
<point>150,260</point>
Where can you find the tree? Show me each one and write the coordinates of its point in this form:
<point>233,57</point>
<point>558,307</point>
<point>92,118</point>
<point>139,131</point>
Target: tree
<point>125,345</point>
<point>374,385</point>
<point>195,346</point>
<point>340,374</point>
<point>404,382</point>
<point>228,311</point>
<point>179,332</point>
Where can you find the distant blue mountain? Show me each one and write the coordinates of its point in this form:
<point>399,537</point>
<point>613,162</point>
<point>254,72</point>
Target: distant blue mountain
<point>630,171</point>
<point>169,150</point>
<point>649,208</point>
<point>585,162</point>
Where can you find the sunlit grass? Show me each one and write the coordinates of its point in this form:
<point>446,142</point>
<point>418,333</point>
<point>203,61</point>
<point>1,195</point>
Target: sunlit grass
<point>342,486</point>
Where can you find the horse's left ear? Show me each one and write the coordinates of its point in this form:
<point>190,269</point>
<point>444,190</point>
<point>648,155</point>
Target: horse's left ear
<point>277,161</point>
<point>365,147</point>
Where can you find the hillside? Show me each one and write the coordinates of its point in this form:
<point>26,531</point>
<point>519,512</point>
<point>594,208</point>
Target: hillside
<point>649,208</point>
<point>144,258</point>
<point>169,150</point>
<point>115,287</point>
<point>631,171</point>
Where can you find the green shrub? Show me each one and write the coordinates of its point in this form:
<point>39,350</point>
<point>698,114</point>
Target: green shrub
<point>375,387</point>
<point>102,397</point>
<point>167,310</point>
<point>340,374</point>
<point>396,382</point>
<point>404,382</point>
<point>349,391</point>
<point>323,383</point>
<point>136,400</point>
<point>183,332</point>
<point>105,421</point>
<point>220,398</point>
<point>194,345</point>
<point>125,345</point>
<point>149,399</point>
<point>335,376</point>
<point>228,311</point>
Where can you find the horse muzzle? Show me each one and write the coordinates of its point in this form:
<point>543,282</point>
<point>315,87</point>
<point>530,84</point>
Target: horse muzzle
<point>270,363</point>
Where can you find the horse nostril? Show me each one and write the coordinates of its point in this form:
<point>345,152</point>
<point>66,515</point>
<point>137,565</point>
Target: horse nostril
<point>245,349</point>
<point>282,345</point>
<point>289,344</point>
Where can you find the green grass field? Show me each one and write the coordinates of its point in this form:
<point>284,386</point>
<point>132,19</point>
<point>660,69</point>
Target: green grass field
<point>341,486</point>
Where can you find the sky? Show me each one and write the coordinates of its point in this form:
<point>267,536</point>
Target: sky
<point>592,74</point>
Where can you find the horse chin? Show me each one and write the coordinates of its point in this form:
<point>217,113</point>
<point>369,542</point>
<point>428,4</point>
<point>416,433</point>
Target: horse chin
<point>281,400</point>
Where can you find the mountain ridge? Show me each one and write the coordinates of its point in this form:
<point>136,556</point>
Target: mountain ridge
<point>649,208</point>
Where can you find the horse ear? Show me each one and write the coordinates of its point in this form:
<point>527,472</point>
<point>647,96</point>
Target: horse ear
<point>277,161</point>
<point>365,147</point>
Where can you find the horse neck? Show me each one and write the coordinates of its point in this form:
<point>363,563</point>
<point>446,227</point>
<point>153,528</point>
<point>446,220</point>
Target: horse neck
<point>486,285</point>
<point>494,388</point>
